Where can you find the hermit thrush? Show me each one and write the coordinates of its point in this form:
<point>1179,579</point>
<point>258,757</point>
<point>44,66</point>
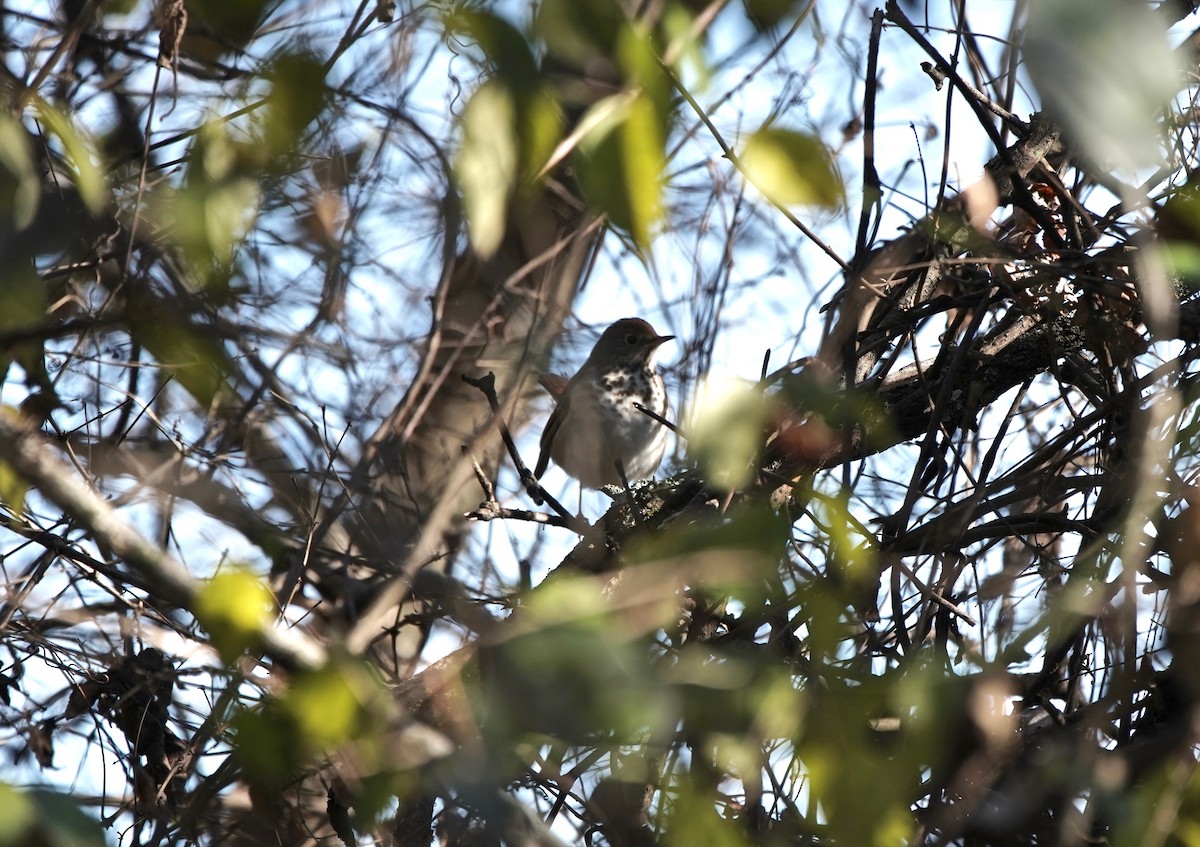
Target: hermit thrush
<point>595,427</point>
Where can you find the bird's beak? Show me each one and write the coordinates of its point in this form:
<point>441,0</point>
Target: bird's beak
<point>662,339</point>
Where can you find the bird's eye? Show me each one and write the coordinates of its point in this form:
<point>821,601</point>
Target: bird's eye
<point>631,339</point>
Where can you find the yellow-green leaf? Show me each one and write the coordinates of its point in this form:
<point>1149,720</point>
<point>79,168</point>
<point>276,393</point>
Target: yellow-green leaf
<point>297,97</point>
<point>234,607</point>
<point>23,309</point>
<point>327,705</point>
<point>620,161</point>
<point>16,816</point>
<point>792,168</point>
<point>726,429</point>
<point>487,164</point>
<point>88,176</point>
<point>20,189</point>
<point>12,485</point>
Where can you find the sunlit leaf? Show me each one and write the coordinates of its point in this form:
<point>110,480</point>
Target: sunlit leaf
<point>234,607</point>
<point>327,705</point>
<point>210,214</point>
<point>726,429</point>
<point>20,188</point>
<point>792,168</point>
<point>341,703</point>
<point>16,816</point>
<point>539,128</point>
<point>487,162</point>
<point>620,163</point>
<point>621,156</point>
<point>12,485</point>
<point>88,176</point>
<point>687,49</point>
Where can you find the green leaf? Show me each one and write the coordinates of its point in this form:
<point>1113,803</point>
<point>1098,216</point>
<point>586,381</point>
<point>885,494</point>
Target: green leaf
<point>620,163</point>
<point>17,816</point>
<point>190,351</point>
<point>580,33</point>
<point>12,485</point>
<point>342,702</point>
<point>44,817</point>
<point>23,309</point>
<point>89,179</point>
<point>726,429</point>
<point>792,168</point>
<point>487,163</point>
<point>503,44</point>
<point>679,28</point>
<point>234,607</point>
<point>20,188</point>
<point>63,823</point>
<point>326,705</point>
<point>1105,70</point>
<point>298,96</point>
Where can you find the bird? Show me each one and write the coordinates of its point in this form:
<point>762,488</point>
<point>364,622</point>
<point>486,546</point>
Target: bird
<point>596,433</point>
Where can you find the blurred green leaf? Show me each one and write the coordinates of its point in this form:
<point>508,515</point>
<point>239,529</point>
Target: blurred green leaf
<point>692,819</point>
<point>217,27</point>
<point>576,664</point>
<point>89,178</point>
<point>726,429</point>
<point>487,162</point>
<point>1105,70</point>
<point>46,819</point>
<point>507,137</point>
<point>234,607</point>
<point>863,789</point>
<point>298,96</point>
<point>23,309</point>
<point>328,706</point>
<point>319,711</point>
<point>189,351</point>
<point>678,27</point>
<point>768,14</point>
<point>792,168</point>
<point>12,485</point>
<point>503,44</point>
<point>580,33</point>
<point>210,214</point>
<point>620,164</point>
<point>848,547</point>
<point>621,157</point>
<point>62,822</point>
<point>16,816</point>
<point>20,188</point>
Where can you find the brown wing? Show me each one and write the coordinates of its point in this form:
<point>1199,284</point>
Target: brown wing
<point>556,385</point>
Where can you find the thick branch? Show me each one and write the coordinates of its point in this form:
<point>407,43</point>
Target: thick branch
<point>33,458</point>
